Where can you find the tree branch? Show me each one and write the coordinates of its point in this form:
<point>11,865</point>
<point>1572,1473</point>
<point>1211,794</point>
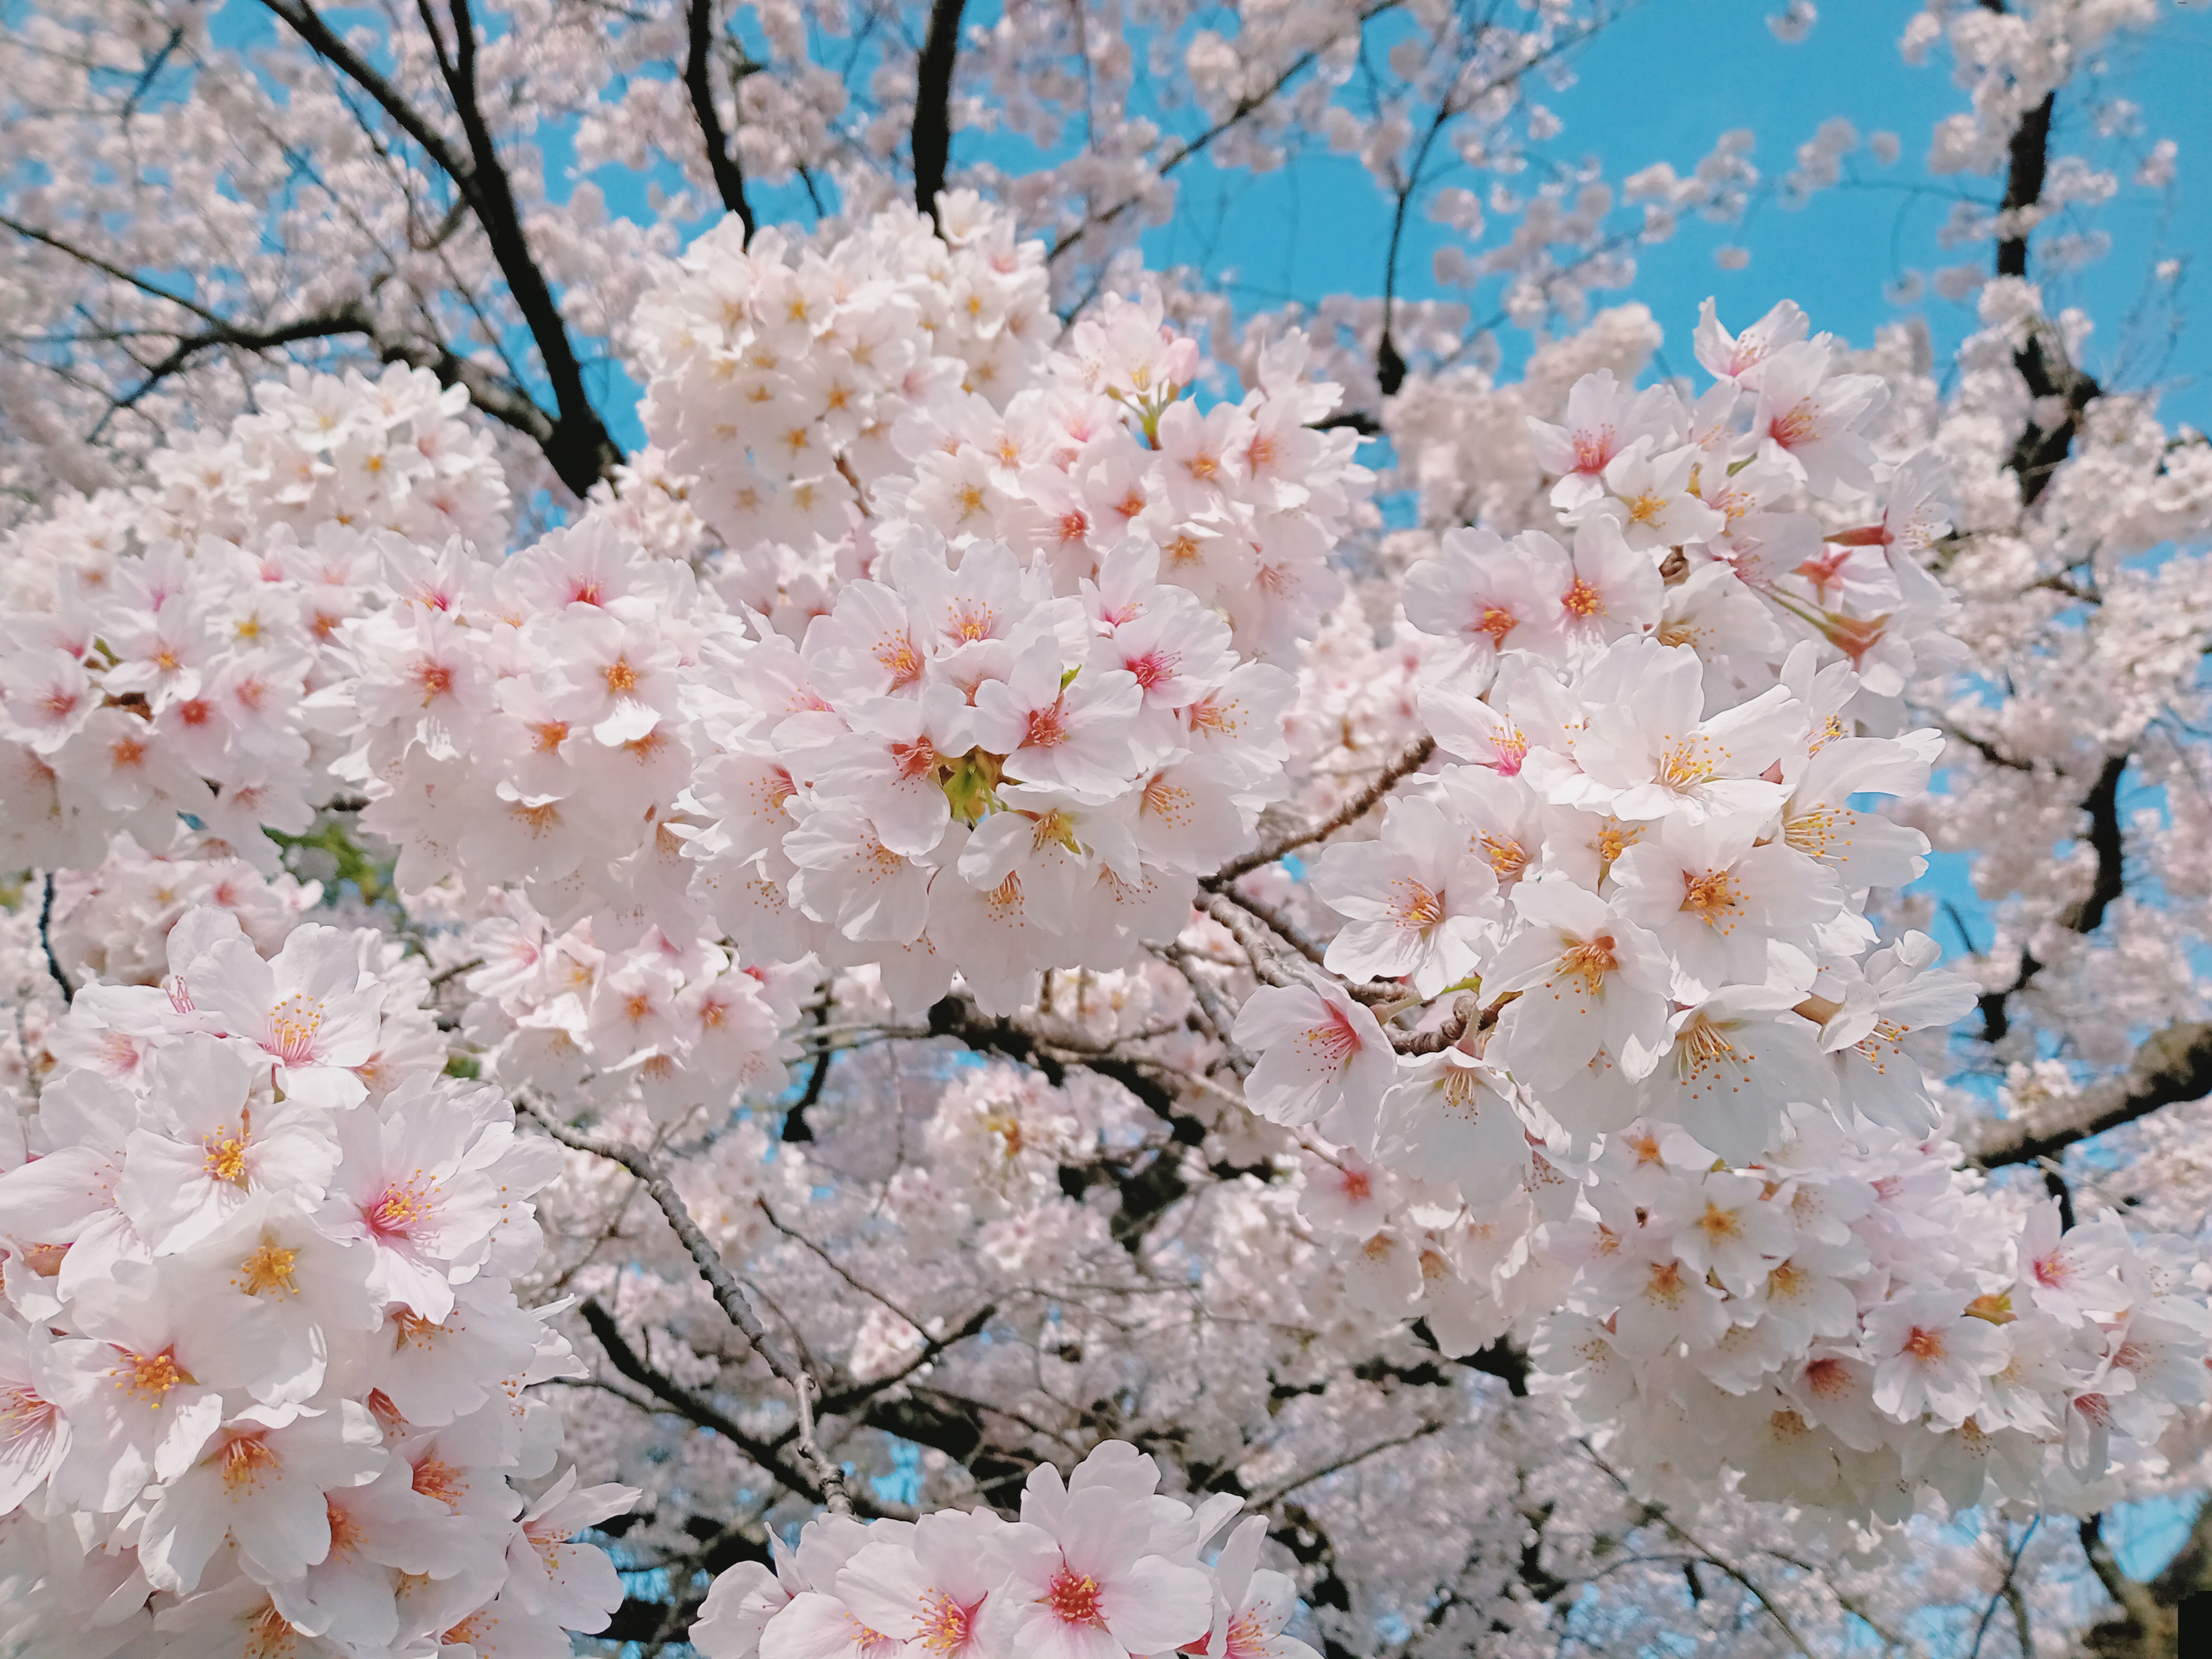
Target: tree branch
<point>46,941</point>
<point>721,160</point>
<point>2172,1065</point>
<point>2147,1619</point>
<point>932,146</point>
<point>1246,107</point>
<point>728,1293</point>
<point>630,1364</point>
<point>2038,451</point>
<point>576,443</point>
<point>1411,761</point>
<point>2087,913</point>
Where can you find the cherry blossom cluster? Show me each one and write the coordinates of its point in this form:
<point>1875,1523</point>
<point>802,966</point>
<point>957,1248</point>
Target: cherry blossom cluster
<point>789,379</point>
<point>1849,1321</point>
<point>388,454</point>
<point>680,1026</point>
<point>263,1367</point>
<point>1046,696</point>
<point>519,723</point>
<point>1100,1566</point>
<point>112,922</point>
<point>154,685</point>
<point>1644,848</point>
<point>1846,1323</point>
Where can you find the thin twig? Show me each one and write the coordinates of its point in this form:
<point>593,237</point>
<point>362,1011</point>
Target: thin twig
<point>1412,760</point>
<point>727,1291</point>
<point>445,975</point>
<point>46,939</point>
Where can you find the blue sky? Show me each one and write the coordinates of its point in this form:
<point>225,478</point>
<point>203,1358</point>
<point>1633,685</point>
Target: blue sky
<point>1662,82</point>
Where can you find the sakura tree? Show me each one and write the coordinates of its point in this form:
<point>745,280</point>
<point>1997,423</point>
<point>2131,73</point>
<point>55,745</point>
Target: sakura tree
<point>1076,972</point>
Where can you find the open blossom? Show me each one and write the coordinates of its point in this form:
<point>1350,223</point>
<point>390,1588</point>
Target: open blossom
<point>308,1008</point>
<point>1082,1582</point>
<point>1420,903</point>
<point>1930,1355</point>
<point>1735,1055</point>
<point>931,1590</point>
<point>35,1437</point>
<point>1726,910</point>
<point>1490,596</point>
<point>260,1481</point>
<point>1657,755</point>
<point>1807,419</point>
<point>223,1141</point>
<point>1254,1605</point>
<point>1603,418</point>
<point>416,1191</point>
<point>1589,980</point>
<point>1072,736</point>
<point>1648,493</point>
<point>1320,1051</point>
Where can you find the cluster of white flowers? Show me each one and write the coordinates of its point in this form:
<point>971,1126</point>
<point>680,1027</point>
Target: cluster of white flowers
<point>682,1026</point>
<point>1645,852</point>
<point>160,645</point>
<point>261,1367</point>
<point>787,382</point>
<point>1009,647</point>
<point>519,723</point>
<point>390,453</point>
<point>112,921</point>
<point>1101,1566</point>
<point>1680,1101</point>
<point>1054,698</point>
<point>153,684</point>
<point>1849,1321</point>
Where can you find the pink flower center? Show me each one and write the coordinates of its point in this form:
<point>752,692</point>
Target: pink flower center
<point>1333,1039</point>
<point>1925,1345</point>
<point>946,1625</point>
<point>1799,424</point>
<point>1074,1598</point>
<point>1415,905</point>
<point>1593,449</point>
<point>1047,728</point>
<point>1827,1378</point>
<point>1153,666</point>
<point>398,1209</point>
<point>294,1026</point>
<point>913,761</point>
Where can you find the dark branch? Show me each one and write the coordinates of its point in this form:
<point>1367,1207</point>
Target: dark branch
<point>2087,913</point>
<point>1412,760</point>
<point>2038,451</point>
<point>684,1403</point>
<point>933,104</point>
<point>728,1293</point>
<point>46,941</point>
<point>2024,177</point>
<point>722,158</point>
<point>576,443</point>
<point>330,46</point>
<point>2172,1065</point>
